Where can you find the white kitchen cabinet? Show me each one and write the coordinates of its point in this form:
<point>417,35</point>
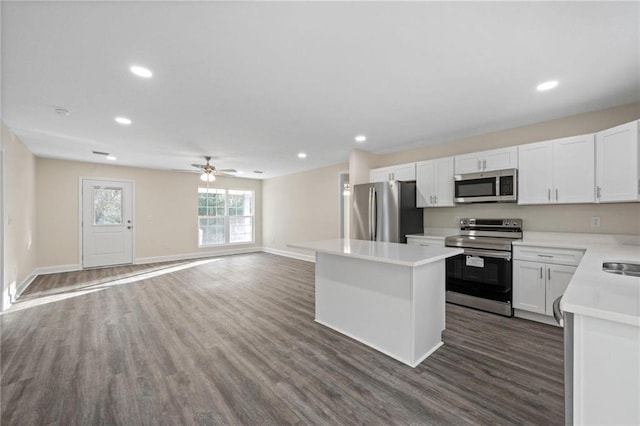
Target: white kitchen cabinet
<point>560,171</point>
<point>618,164</point>
<point>536,285</point>
<point>434,183</point>
<point>540,276</point>
<point>400,172</point>
<point>484,161</point>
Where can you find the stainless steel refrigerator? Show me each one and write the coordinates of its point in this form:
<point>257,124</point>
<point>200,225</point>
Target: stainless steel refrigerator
<point>385,211</point>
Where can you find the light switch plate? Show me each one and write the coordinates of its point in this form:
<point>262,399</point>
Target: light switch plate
<point>595,221</point>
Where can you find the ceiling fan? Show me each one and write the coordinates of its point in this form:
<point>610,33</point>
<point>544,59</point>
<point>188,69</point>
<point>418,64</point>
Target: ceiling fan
<point>209,172</point>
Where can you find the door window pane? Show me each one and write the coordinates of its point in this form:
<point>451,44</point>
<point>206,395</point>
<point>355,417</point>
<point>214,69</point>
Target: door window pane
<point>107,206</point>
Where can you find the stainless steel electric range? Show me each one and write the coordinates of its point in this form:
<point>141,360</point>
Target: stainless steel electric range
<point>481,277</point>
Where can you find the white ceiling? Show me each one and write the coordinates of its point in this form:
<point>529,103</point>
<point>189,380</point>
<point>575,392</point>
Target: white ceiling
<point>254,83</point>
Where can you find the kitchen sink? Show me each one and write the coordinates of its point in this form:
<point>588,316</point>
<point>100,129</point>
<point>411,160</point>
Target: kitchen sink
<point>622,268</point>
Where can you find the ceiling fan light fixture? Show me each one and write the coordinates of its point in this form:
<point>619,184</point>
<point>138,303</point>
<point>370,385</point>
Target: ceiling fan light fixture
<point>207,177</point>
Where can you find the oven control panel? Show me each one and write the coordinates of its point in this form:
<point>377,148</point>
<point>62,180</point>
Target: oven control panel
<point>494,223</point>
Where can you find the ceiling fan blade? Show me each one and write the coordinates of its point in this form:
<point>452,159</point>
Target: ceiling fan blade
<point>186,171</point>
<point>200,166</point>
<point>227,170</point>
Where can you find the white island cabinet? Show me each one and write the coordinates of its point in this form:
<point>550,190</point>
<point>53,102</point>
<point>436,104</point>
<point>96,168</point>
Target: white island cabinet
<point>388,296</point>
<point>602,340</point>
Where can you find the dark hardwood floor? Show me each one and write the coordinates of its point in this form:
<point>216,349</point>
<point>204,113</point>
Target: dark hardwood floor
<point>232,340</point>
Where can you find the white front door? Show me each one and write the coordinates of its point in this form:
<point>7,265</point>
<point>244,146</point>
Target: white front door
<point>107,223</point>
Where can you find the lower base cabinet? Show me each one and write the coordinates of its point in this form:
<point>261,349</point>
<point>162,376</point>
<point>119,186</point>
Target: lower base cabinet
<point>536,285</point>
<point>540,276</point>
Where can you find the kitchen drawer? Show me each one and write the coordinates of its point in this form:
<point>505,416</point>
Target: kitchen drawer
<point>562,256</point>
<point>426,241</point>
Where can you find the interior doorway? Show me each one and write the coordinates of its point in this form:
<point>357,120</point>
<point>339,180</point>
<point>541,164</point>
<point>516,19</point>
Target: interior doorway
<point>107,222</point>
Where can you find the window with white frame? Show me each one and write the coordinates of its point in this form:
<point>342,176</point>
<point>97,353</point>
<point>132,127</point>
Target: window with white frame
<point>225,216</point>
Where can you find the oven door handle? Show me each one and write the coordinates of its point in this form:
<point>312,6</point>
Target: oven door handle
<point>497,254</point>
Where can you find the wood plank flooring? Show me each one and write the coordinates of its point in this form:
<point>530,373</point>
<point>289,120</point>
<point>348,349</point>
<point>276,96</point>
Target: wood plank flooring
<point>232,340</point>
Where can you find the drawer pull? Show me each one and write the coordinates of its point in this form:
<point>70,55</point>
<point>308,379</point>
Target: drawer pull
<point>545,255</point>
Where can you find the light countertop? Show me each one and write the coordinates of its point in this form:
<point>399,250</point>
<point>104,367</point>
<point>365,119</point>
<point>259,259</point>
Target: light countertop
<point>399,254</point>
<point>593,292</point>
<point>436,233</point>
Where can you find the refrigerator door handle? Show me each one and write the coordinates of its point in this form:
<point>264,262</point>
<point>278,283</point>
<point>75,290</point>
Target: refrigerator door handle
<point>375,214</point>
<point>370,211</point>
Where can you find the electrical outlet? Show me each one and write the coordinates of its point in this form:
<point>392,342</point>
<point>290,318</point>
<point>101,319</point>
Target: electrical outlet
<point>595,221</point>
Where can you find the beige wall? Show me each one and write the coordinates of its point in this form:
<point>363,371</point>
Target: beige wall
<point>302,207</point>
<point>360,162</point>
<point>621,218</point>
<point>20,209</point>
<point>165,210</point>
<point>562,127</point>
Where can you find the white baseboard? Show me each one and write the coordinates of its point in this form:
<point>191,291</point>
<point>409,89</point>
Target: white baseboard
<point>291,254</point>
<point>57,269</point>
<point>532,316</point>
<point>198,255</point>
<point>23,285</point>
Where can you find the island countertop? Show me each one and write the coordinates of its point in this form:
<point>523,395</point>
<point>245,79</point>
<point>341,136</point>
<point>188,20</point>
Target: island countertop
<point>395,253</point>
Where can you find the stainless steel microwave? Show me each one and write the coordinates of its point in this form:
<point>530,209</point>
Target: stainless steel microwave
<point>486,187</point>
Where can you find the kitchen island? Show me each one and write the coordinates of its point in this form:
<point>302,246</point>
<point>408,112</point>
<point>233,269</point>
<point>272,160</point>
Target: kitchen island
<point>388,296</point>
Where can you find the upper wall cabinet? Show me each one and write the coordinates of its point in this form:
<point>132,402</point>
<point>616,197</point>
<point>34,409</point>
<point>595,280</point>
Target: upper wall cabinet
<point>558,171</point>
<point>484,161</point>
<point>618,164</point>
<point>401,172</point>
<point>434,183</point>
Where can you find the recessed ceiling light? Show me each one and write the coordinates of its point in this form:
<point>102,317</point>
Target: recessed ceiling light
<point>361,138</point>
<point>123,120</point>
<point>62,111</point>
<point>141,71</point>
<point>547,85</point>
<point>111,157</point>
<point>302,155</point>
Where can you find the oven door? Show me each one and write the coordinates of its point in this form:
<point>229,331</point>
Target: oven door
<point>484,274</point>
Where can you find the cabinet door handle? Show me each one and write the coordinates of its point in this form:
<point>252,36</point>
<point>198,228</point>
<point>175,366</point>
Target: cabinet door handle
<point>549,194</point>
<point>556,194</point>
<point>479,165</point>
<point>430,199</point>
<point>435,198</point>
<point>484,164</point>
<point>598,192</point>
<point>549,274</point>
<point>541,272</point>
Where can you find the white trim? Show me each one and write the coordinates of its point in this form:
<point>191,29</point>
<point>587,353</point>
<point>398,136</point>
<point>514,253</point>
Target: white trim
<point>532,316</point>
<point>290,254</point>
<point>3,292</point>
<point>45,270</point>
<point>24,284</point>
<point>198,255</point>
